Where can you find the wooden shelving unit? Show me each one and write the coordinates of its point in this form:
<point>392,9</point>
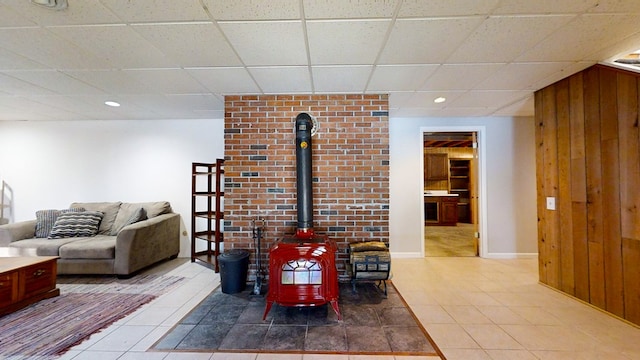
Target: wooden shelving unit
<point>459,183</point>
<point>206,212</point>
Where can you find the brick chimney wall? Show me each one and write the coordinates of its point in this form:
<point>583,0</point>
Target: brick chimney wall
<point>350,169</point>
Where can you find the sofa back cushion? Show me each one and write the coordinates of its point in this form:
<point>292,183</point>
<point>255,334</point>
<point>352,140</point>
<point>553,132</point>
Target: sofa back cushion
<point>155,208</point>
<point>109,209</point>
<point>127,215</point>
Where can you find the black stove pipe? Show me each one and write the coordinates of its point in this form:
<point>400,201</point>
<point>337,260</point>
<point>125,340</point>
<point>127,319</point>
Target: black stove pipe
<point>303,176</point>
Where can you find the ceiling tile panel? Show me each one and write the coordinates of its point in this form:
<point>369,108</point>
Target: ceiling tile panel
<point>340,9</point>
<point>156,10</point>
<point>545,6</point>
<point>493,40</point>
<point>345,42</point>
<point>167,81</point>
<point>432,8</point>
<point>225,80</point>
<point>11,18</point>
<point>177,41</point>
<point>340,78</point>
<point>11,61</point>
<point>520,76</point>
<point>283,80</point>
<point>56,81</point>
<point>121,46</point>
<point>41,46</point>
<point>578,40</point>
<point>268,43</point>
<point>459,76</point>
<point>616,6</point>
<point>399,77</point>
<point>488,98</point>
<point>112,81</point>
<point>524,107</point>
<point>426,41</point>
<point>253,10</point>
<point>424,99</point>
<point>14,86</point>
<point>82,12</point>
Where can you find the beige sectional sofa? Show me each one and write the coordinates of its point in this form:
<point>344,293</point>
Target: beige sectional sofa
<point>100,237</point>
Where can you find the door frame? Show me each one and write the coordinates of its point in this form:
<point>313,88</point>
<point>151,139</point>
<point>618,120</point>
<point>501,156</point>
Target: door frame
<point>483,247</point>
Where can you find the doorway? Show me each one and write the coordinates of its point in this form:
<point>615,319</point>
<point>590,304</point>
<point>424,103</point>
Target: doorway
<point>451,182</point>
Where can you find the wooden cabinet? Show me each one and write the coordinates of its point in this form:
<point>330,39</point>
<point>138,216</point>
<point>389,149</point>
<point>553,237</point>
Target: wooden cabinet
<point>441,210</point>
<point>206,212</point>
<point>26,280</point>
<point>460,184</point>
<point>449,210</point>
<point>436,166</point>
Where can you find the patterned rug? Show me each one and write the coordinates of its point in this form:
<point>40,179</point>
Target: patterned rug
<point>373,324</point>
<point>86,305</point>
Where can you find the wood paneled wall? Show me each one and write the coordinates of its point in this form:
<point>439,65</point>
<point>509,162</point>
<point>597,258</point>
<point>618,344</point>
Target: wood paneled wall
<point>588,158</point>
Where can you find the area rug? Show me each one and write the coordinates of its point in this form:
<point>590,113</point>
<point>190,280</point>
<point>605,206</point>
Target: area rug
<point>85,306</point>
<point>373,324</point>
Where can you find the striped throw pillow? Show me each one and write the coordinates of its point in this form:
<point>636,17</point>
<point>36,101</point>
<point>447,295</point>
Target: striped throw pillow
<point>80,224</point>
<point>46,218</point>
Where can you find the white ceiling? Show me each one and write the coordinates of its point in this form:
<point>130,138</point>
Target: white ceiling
<point>177,59</point>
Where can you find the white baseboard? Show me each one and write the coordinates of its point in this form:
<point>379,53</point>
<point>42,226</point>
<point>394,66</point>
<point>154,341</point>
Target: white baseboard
<point>511,255</point>
<point>405,255</point>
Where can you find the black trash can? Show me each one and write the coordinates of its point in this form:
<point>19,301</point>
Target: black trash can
<point>233,270</point>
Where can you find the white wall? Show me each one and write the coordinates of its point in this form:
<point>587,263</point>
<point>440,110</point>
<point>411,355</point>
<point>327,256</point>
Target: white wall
<point>50,164</point>
<point>511,219</point>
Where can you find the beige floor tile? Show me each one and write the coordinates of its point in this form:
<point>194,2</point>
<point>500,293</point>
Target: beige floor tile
<point>502,315</point>
<point>466,314</point>
<point>511,355</point>
<point>232,356</point>
<point>581,355</point>
<point>465,354</point>
<point>492,337</point>
<point>451,336</point>
<point>432,314</point>
<point>536,315</point>
<point>480,298</point>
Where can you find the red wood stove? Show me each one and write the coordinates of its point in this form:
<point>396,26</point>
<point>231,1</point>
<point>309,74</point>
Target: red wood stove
<point>302,267</point>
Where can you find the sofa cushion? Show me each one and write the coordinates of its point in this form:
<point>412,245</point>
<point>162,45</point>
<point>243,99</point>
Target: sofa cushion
<point>46,218</point>
<point>76,224</point>
<point>44,247</point>
<point>98,247</point>
<point>128,214</point>
<point>156,208</point>
<point>110,210</point>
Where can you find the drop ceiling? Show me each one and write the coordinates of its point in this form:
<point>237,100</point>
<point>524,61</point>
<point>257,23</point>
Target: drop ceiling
<point>168,59</point>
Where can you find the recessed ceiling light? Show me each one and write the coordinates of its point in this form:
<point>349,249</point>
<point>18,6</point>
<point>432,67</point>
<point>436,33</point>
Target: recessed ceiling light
<point>112,103</point>
<point>439,100</point>
<point>51,4</point>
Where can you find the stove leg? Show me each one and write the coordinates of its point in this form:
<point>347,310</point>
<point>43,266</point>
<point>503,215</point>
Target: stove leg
<point>267,309</point>
<point>334,305</point>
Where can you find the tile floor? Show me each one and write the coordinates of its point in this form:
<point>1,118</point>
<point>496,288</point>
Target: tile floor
<point>473,308</point>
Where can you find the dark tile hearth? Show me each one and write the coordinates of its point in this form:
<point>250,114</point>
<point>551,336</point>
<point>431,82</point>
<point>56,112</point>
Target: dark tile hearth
<point>372,324</point>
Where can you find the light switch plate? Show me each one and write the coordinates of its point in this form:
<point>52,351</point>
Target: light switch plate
<point>551,203</point>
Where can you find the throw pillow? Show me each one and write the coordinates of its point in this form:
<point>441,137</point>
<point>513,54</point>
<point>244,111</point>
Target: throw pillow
<point>138,214</point>
<point>81,224</point>
<point>46,218</point>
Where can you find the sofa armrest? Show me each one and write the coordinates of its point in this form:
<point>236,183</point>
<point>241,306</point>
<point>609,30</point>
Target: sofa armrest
<point>17,231</point>
<point>147,242</point>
